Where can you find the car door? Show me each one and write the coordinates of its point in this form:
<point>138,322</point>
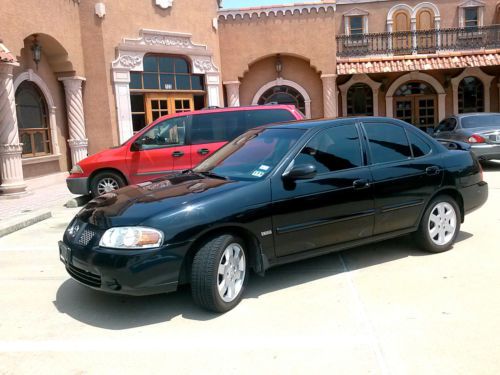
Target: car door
<point>211,131</point>
<point>160,150</point>
<point>405,171</point>
<point>335,206</point>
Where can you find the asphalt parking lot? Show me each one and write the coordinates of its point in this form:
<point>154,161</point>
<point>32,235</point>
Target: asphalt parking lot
<point>386,308</point>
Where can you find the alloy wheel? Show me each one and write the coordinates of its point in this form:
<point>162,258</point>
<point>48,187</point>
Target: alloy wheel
<point>231,272</point>
<point>442,223</point>
<point>107,185</point>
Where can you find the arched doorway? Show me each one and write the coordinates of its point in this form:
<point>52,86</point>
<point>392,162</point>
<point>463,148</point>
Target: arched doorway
<point>283,95</point>
<point>360,100</point>
<point>416,103</point>
<point>470,95</point>
<point>33,120</point>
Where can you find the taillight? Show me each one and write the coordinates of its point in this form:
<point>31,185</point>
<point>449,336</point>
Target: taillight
<point>475,138</point>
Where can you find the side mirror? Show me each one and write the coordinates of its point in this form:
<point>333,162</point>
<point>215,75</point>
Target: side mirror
<point>136,146</point>
<point>300,172</point>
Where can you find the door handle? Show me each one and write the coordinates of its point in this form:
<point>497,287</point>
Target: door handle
<point>361,184</point>
<point>177,154</point>
<point>432,171</point>
<point>203,151</point>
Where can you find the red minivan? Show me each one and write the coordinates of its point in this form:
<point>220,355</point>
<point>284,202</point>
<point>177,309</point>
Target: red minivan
<point>174,142</point>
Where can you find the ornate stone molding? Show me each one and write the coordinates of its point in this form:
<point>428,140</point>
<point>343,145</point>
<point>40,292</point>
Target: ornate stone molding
<point>76,120</point>
<point>276,11</point>
<point>164,4</point>
<point>356,12</point>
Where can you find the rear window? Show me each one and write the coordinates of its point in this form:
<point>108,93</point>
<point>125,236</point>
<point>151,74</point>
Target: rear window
<point>486,121</point>
<point>225,126</point>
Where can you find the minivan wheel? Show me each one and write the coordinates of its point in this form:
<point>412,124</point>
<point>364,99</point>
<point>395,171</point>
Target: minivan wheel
<point>105,182</point>
<point>440,225</point>
<point>219,273</point>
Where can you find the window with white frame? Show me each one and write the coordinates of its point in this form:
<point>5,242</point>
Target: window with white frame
<point>356,22</point>
<point>471,14</point>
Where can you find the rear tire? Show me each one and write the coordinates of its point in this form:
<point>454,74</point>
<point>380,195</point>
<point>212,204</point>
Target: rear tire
<point>439,226</point>
<point>219,273</point>
<point>105,182</point>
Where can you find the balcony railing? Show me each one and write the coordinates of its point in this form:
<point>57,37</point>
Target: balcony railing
<point>419,42</point>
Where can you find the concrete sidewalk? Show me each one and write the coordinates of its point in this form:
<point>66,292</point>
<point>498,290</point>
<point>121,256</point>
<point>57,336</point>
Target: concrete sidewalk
<point>43,194</point>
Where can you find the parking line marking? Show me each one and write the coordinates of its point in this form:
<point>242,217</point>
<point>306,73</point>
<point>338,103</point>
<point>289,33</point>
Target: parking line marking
<point>363,316</point>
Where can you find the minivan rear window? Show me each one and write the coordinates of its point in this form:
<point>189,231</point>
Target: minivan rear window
<point>225,126</point>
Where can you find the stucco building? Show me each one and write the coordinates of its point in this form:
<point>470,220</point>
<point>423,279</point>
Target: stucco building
<point>83,75</point>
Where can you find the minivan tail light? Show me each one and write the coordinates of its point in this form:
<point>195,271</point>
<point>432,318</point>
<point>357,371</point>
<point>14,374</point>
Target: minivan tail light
<point>475,138</point>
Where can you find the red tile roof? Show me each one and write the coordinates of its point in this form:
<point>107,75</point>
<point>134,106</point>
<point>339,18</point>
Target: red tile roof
<point>391,64</point>
<point>5,55</point>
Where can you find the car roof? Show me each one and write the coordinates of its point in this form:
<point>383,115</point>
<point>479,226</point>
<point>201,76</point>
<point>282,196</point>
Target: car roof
<point>325,122</point>
<point>462,115</point>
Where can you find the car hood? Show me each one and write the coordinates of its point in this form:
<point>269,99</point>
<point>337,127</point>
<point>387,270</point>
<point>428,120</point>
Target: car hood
<point>134,204</point>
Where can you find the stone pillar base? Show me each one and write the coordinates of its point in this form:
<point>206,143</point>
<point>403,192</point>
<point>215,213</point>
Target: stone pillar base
<point>79,149</point>
<point>11,169</point>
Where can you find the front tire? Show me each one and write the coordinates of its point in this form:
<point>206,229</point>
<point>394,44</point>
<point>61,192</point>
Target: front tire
<point>105,182</point>
<point>219,273</point>
<point>440,225</point>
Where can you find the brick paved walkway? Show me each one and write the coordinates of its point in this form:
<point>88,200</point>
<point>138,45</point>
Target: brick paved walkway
<point>43,197</point>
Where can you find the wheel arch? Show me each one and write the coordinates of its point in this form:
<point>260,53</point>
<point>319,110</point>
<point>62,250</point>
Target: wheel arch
<point>107,169</point>
<point>455,194</point>
<point>257,260</point>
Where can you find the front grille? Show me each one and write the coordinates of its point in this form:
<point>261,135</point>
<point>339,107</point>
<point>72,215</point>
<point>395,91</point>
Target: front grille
<point>86,236</point>
<point>84,277</point>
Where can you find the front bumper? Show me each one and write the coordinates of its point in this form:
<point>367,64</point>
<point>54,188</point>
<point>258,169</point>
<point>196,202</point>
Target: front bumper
<point>78,185</point>
<point>131,272</point>
<point>486,151</point>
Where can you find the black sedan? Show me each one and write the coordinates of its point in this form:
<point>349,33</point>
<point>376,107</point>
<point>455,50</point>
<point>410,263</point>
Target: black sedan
<point>480,130</point>
<point>274,195</point>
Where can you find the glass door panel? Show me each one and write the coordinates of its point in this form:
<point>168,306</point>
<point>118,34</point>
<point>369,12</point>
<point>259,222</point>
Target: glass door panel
<point>404,110</point>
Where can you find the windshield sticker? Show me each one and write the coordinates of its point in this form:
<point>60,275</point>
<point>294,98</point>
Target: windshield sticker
<point>264,167</point>
<point>258,173</point>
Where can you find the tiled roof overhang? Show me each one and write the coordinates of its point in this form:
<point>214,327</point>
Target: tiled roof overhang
<point>394,64</point>
<point>5,55</point>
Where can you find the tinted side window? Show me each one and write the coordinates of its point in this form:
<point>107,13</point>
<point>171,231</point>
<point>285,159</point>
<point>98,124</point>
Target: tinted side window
<point>217,127</point>
<point>267,116</point>
<point>334,149</point>
<point>167,133</point>
<point>447,125</point>
<point>388,142</point>
<point>418,145</point>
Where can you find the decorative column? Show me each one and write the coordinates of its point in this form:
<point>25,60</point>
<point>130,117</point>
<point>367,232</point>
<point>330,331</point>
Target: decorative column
<point>233,93</point>
<point>330,95</point>
<point>11,166</point>
<point>77,141</point>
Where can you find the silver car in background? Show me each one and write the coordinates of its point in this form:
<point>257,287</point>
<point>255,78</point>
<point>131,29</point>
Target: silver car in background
<point>480,130</point>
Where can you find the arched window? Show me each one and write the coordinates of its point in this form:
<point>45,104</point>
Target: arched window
<point>470,95</point>
<point>414,88</point>
<point>283,95</point>
<point>166,73</point>
<point>33,122</point>
<point>360,100</point>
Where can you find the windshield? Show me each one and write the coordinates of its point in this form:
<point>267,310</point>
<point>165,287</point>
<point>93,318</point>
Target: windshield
<point>252,155</point>
<point>486,121</point>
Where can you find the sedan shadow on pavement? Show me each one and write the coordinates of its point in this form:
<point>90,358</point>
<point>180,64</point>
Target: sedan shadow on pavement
<point>115,312</point>
<point>491,166</point>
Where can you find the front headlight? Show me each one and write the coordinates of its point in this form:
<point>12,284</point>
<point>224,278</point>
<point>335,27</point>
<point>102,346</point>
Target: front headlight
<point>76,170</point>
<point>132,238</point>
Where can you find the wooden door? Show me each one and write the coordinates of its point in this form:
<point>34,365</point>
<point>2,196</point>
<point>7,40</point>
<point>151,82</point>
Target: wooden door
<point>161,104</point>
<point>403,108</point>
<point>426,35</point>
<point>402,37</point>
<point>425,113</point>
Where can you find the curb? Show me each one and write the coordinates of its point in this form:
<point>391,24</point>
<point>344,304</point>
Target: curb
<point>22,221</point>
